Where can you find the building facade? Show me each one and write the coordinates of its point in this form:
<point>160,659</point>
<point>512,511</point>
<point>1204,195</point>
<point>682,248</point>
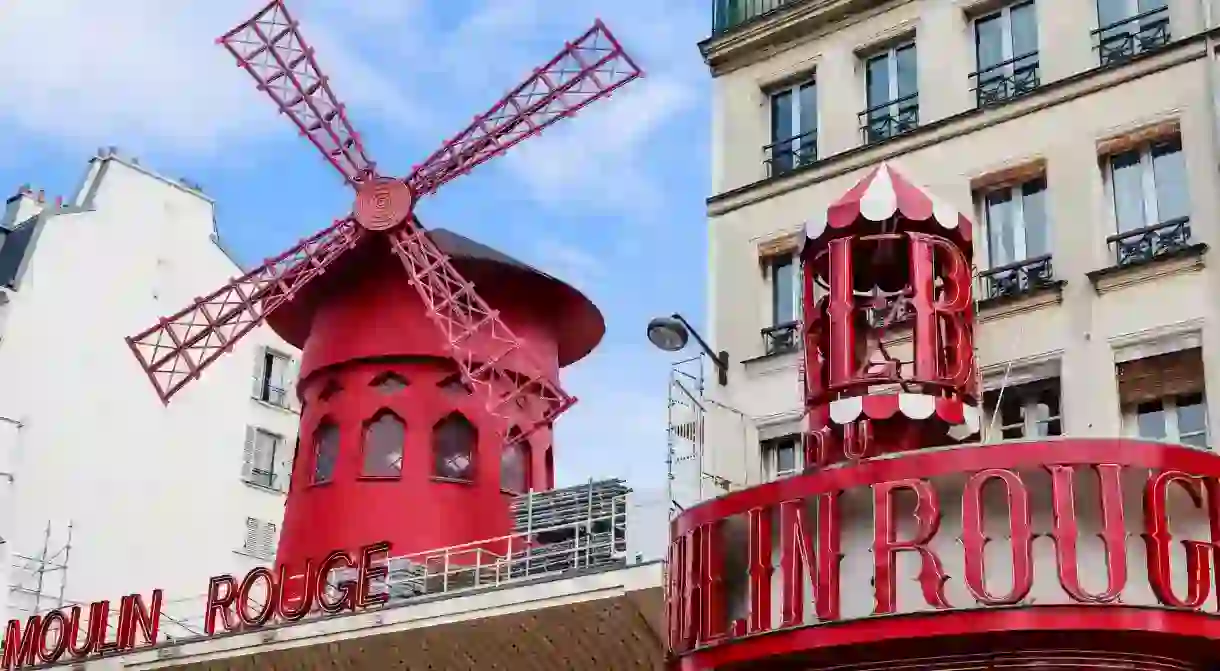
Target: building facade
<point>106,490</point>
<point>1078,135</point>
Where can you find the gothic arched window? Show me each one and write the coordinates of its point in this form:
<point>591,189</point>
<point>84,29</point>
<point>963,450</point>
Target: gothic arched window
<point>515,466</point>
<point>454,441</point>
<point>325,451</point>
<point>389,383</point>
<point>384,438</point>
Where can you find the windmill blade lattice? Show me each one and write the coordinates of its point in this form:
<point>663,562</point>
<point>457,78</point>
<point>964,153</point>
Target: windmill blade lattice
<point>178,348</point>
<point>272,50</point>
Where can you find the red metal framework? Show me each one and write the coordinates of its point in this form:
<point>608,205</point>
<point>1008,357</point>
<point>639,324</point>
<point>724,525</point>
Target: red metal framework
<point>272,50</point>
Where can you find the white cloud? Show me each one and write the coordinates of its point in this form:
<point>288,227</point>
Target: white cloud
<point>569,262</point>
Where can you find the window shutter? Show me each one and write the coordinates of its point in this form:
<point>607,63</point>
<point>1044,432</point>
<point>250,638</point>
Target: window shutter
<point>1155,377</point>
<point>247,466</point>
<point>252,530</point>
<point>268,540</point>
<point>260,360</point>
<point>283,465</point>
<point>290,385</point>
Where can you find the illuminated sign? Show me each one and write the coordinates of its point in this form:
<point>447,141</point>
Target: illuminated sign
<point>961,525</point>
<point>45,639</point>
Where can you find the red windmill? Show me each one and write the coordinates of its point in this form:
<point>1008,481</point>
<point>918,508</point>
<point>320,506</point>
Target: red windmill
<point>364,311</point>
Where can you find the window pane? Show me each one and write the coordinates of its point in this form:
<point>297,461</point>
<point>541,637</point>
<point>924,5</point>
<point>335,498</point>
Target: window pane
<point>808,108</point>
<point>989,41</point>
<point>781,116</point>
<point>513,468</point>
<point>1024,29</point>
<point>877,80</point>
<point>1128,189</point>
<point>453,448</point>
<point>1001,236</point>
<point>326,451</point>
<point>1169,173</point>
<point>1150,420</point>
<point>1192,414</point>
<point>785,457</point>
<point>908,78</point>
<point>783,298</point>
<point>264,451</point>
<point>1033,214</point>
<point>1110,12</point>
<point>383,443</point>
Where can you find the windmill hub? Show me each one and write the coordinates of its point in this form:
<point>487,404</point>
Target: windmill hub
<point>383,203</point>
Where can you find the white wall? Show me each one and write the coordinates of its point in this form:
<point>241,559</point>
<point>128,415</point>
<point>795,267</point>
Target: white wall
<point>154,493</point>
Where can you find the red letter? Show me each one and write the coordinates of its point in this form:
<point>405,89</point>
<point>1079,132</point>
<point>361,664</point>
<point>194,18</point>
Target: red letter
<point>220,603</point>
<point>21,650</point>
<point>1113,532</point>
<point>886,546</point>
<point>1021,535</point>
<point>1157,538</point>
<point>103,626</point>
<point>840,310</point>
<point>760,570</point>
<point>952,360</point>
<point>147,619</point>
<point>369,572</point>
<point>306,599</point>
<point>96,614</point>
<point>800,558</point>
<point>54,622</point>
<point>267,608</point>
<point>713,623</point>
<point>334,560</point>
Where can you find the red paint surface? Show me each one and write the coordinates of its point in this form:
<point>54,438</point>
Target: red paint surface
<point>367,321</point>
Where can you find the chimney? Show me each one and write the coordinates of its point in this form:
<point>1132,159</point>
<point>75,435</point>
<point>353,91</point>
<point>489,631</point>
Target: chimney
<point>22,205</point>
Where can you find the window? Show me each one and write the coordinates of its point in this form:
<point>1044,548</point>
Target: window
<point>454,441</point>
<point>1151,203</point>
<point>389,383</point>
<point>326,451</point>
<point>1006,53</point>
<point>1018,238</point>
<point>782,456</point>
<point>1029,410</point>
<point>454,385</point>
<point>780,336</point>
<point>267,460</point>
<point>1163,397</point>
<point>260,538</point>
<point>892,88</point>
<point>1126,28</point>
<point>384,438</point>
<point>271,377</point>
<point>794,128</point>
<point>514,466</point>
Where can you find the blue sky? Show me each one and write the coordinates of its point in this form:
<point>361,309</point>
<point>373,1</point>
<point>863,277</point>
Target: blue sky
<point>612,200</point>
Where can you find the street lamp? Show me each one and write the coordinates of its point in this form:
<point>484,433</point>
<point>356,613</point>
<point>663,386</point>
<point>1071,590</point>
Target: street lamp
<point>674,332</point>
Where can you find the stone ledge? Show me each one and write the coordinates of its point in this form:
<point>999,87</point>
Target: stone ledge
<point>1112,278</point>
<point>999,307</point>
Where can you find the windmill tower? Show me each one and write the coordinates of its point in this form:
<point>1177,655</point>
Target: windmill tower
<point>424,410</point>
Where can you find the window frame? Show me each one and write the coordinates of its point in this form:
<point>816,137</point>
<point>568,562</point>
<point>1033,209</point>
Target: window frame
<point>315,451</point>
<point>1016,195</point>
<point>1169,407</point>
<point>364,445</point>
<point>269,356</point>
<point>773,263</point>
<point>1006,38</point>
<point>1028,392</point>
<point>472,469</point>
<point>892,106</point>
<point>1148,194</point>
<point>523,450</point>
<point>795,133</point>
<point>770,449</point>
<point>278,443</point>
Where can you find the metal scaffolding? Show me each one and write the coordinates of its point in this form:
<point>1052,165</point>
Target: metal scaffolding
<point>40,580</point>
<point>685,419</point>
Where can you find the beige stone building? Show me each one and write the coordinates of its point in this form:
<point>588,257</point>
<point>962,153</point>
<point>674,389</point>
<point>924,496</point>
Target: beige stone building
<point>1080,134</point>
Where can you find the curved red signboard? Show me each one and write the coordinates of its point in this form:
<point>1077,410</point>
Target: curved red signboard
<point>1016,540</point>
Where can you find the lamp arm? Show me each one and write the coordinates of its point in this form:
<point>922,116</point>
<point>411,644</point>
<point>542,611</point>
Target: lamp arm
<point>721,359</point>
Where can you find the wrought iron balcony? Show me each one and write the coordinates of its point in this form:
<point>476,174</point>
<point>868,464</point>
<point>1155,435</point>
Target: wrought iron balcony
<point>1004,81</point>
<point>1151,242</point>
<point>1014,279</point>
<point>262,478</point>
<point>728,14</point>
<point>781,338</point>
<point>890,119</point>
<point>1123,40</point>
<point>794,152</point>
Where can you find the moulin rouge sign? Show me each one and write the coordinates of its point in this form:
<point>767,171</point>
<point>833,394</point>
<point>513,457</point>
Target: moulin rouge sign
<point>808,512</point>
<point>73,632</point>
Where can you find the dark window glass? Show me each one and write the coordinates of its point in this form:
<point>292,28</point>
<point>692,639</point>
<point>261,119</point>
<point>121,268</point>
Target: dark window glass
<point>326,451</point>
<point>454,440</point>
<point>384,438</point>
<point>514,468</point>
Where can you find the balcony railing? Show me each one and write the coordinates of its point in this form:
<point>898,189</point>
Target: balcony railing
<point>791,153</point>
<point>1021,277</point>
<point>1123,40</point>
<point>1150,242</point>
<point>1004,81</point>
<point>728,14</point>
<point>781,338</point>
<point>262,478</point>
<point>890,119</point>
